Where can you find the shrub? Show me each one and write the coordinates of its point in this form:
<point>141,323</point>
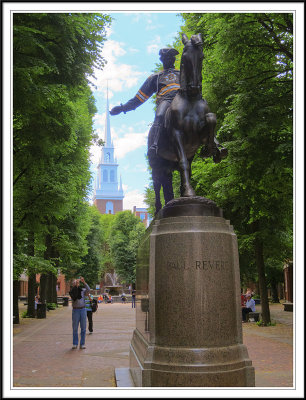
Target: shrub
<point>51,306</point>
<point>24,314</point>
<point>260,323</point>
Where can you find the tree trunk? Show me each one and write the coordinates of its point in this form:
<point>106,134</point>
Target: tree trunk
<point>54,292</point>
<point>31,294</point>
<point>47,281</point>
<point>265,311</point>
<point>274,289</point>
<point>43,287</point>
<point>16,286</point>
<point>51,288</point>
<point>31,280</point>
<point>50,252</point>
<point>48,287</point>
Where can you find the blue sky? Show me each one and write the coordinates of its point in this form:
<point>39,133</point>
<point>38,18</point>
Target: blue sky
<point>131,51</point>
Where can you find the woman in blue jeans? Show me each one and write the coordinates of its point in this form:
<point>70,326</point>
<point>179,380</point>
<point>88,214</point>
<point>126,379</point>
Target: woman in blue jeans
<point>79,313</point>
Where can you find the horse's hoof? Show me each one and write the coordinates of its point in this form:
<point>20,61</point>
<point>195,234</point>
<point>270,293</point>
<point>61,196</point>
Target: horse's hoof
<point>189,193</point>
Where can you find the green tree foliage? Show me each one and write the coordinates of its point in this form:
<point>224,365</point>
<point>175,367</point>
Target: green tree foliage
<point>92,262</point>
<point>107,263</point>
<point>126,233</point>
<point>54,57</point>
<point>247,81</point>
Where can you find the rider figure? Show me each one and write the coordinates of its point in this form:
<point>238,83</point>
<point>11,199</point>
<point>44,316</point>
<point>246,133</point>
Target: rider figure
<point>165,84</point>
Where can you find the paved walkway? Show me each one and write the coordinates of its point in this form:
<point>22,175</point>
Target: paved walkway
<point>42,354</point>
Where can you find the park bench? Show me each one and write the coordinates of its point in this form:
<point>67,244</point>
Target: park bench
<point>64,300</point>
<point>253,315</point>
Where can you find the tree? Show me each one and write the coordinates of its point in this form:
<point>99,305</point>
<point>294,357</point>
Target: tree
<point>54,57</point>
<point>126,234</point>
<point>92,262</point>
<point>247,81</point>
<point>107,221</point>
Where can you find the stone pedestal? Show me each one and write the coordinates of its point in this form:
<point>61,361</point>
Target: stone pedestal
<point>188,313</point>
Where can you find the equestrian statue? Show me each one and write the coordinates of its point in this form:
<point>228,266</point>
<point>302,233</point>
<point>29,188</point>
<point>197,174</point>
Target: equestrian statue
<point>183,121</point>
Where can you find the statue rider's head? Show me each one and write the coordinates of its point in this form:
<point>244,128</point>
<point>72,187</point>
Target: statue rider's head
<point>167,57</point>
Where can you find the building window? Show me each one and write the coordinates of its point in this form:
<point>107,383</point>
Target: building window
<point>112,176</point>
<point>105,176</point>
<point>107,157</point>
<point>109,208</point>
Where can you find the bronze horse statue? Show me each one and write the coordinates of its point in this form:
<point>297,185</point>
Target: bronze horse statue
<point>188,124</point>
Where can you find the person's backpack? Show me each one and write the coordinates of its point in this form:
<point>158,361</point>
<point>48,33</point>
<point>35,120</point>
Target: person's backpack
<point>94,305</point>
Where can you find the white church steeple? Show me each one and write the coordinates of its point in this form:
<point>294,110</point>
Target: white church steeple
<point>107,135</point>
<point>108,197</point>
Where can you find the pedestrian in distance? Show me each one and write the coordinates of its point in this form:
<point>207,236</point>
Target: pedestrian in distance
<point>133,298</point>
<point>88,306</point>
<point>79,313</point>
<point>123,298</point>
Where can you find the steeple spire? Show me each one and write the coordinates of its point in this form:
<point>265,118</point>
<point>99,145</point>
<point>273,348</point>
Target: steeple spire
<point>108,139</point>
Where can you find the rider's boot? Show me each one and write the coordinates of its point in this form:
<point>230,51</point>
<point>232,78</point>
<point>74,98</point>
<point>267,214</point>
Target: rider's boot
<point>155,130</point>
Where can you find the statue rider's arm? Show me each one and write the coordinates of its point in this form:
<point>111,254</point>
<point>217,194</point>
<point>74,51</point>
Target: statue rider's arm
<point>147,89</point>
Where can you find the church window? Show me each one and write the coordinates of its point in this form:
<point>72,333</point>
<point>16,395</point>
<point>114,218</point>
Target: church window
<point>112,176</point>
<point>107,156</point>
<point>105,176</point>
<point>109,208</point>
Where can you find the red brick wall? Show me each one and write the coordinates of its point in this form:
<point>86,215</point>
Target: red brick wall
<point>145,218</point>
<point>63,286</point>
<point>101,205</point>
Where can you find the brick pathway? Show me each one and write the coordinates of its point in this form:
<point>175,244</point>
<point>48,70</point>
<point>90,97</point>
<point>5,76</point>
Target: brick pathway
<point>42,355</point>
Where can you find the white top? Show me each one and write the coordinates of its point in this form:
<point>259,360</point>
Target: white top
<point>250,304</point>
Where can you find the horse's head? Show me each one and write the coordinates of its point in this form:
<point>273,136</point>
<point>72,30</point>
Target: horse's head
<point>191,64</point>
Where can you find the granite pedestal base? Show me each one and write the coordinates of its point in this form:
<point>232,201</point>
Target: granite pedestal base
<point>188,313</point>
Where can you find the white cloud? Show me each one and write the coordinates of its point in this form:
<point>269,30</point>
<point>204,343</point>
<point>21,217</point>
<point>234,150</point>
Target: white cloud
<point>119,76</point>
<point>132,50</point>
<point>129,142</point>
<point>154,45</point>
<point>133,198</point>
<point>137,17</point>
<point>152,48</point>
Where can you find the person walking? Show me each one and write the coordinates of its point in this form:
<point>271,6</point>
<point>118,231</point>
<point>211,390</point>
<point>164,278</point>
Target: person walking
<point>133,298</point>
<point>88,302</point>
<point>79,313</point>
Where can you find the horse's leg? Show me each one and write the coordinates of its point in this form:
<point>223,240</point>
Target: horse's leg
<point>167,186</point>
<point>184,167</point>
<point>157,187</point>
